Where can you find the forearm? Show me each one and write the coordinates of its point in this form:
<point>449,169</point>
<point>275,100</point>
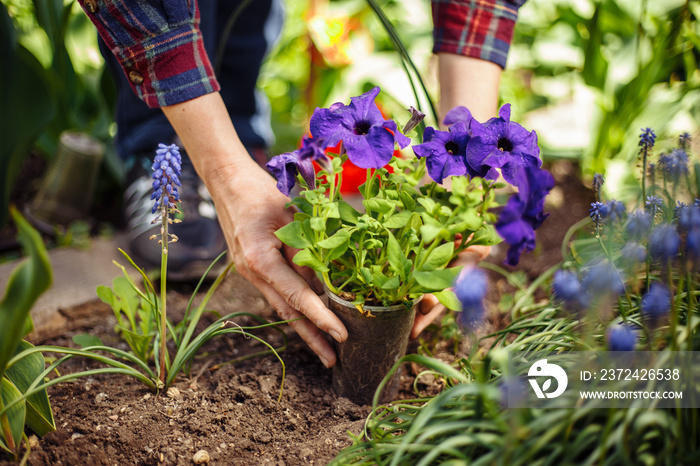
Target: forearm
<point>469,82</point>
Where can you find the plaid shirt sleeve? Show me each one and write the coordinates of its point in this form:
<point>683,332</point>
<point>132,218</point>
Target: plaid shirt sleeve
<point>159,46</point>
<point>475,28</point>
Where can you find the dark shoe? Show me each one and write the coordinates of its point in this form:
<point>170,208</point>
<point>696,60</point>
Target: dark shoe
<point>200,239</point>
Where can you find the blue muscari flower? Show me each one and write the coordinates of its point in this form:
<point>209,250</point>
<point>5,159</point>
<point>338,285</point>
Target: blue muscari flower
<point>470,288</point>
<point>602,277</point>
<point>616,210</point>
<point>502,143</point>
<point>633,253</point>
<point>513,391</point>
<point>664,242</point>
<point>524,212</point>
<point>567,287</point>
<point>598,181</point>
<point>696,203</point>
<point>367,137</point>
<point>647,138</point>
<point>653,205</point>
<point>656,302</point>
<point>638,225</point>
<point>675,164</point>
<point>167,166</point>
<point>598,212</point>
<point>692,244</point>
<point>684,141</point>
<point>621,337</point>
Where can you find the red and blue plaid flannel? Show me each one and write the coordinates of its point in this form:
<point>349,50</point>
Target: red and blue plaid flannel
<point>160,47</point>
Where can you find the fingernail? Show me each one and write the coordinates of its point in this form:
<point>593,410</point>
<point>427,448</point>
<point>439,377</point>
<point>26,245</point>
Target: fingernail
<point>324,361</point>
<point>334,333</point>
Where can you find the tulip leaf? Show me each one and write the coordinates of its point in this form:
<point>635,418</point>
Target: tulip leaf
<point>22,374</point>
<point>13,417</point>
<point>27,281</point>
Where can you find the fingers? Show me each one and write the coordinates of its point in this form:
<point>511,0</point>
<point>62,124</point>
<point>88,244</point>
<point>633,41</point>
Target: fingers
<point>307,330</point>
<point>429,309</point>
<point>471,256</point>
<point>306,273</point>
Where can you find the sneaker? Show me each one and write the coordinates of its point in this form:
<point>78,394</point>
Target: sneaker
<point>200,238</point>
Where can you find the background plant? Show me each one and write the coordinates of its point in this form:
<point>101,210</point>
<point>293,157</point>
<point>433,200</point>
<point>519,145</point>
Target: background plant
<point>27,282</point>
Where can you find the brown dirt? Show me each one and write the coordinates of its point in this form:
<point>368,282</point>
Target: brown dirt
<point>233,412</point>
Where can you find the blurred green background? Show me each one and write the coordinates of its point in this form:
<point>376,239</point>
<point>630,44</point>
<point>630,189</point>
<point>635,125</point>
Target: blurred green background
<point>585,74</point>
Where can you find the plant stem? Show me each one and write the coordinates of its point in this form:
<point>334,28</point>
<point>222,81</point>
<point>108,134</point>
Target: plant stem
<point>163,290</point>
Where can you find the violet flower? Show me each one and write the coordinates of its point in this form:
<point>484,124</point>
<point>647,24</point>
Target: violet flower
<point>445,153</point>
<point>656,302</point>
<point>284,168</point>
<point>664,242</point>
<point>524,212</point>
<point>501,143</point>
<point>458,114</point>
<point>367,137</point>
<point>620,337</point>
<point>470,288</point>
<point>167,167</point>
<point>567,287</point>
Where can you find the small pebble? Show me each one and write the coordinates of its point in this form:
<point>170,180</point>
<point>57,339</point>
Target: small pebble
<point>114,417</point>
<point>147,396</point>
<point>33,441</point>
<point>173,392</point>
<point>75,436</point>
<point>201,457</point>
<point>101,397</point>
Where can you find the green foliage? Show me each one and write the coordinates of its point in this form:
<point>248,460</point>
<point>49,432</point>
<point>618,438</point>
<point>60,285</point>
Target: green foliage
<point>27,281</point>
<point>400,247</point>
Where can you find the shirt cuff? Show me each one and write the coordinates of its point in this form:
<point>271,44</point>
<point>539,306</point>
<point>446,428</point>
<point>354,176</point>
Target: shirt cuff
<point>482,29</point>
<point>164,61</point>
<point>170,68</point>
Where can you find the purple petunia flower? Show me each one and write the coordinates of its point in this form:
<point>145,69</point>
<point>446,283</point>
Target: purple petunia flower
<point>367,137</point>
<point>470,288</point>
<point>524,212</point>
<point>458,114</point>
<point>501,143</point>
<point>167,166</point>
<point>284,168</point>
<point>445,153</point>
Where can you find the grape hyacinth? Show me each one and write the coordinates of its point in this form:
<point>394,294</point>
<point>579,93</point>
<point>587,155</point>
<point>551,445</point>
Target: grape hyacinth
<point>621,338</point>
<point>167,167</point>
<point>567,287</point>
<point>470,289</point>
<point>656,303</point>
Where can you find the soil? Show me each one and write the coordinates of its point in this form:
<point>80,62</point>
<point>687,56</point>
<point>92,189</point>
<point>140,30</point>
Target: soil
<point>231,411</point>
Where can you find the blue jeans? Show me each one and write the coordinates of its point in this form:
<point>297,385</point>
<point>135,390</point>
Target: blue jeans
<point>140,129</point>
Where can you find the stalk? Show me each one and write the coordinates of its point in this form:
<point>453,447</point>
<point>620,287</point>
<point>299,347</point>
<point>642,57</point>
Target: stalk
<point>163,276</point>
<point>5,424</point>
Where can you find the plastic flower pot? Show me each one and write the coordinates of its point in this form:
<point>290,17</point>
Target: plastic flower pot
<point>377,338</point>
<point>66,191</point>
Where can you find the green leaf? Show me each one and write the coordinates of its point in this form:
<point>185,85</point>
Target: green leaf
<point>339,238</point>
<point>448,299</point>
<point>391,284</point>
<point>306,258</point>
<point>398,220</point>
<point>429,232</point>
<point>15,415</point>
<point>436,280</point>
<point>22,374</point>
<point>85,340</point>
<point>27,281</point>
<point>378,205</point>
<point>398,261</point>
<point>140,344</point>
<point>347,213</point>
<point>293,235</point>
<point>486,236</point>
<point>408,202</point>
<point>317,224</point>
<point>366,275</point>
<point>439,257</point>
